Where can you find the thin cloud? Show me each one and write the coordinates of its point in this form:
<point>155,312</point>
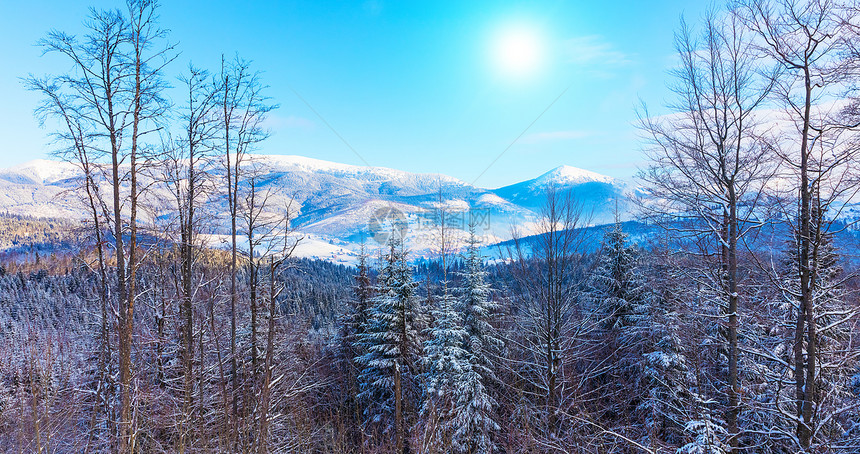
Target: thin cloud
<point>594,49</point>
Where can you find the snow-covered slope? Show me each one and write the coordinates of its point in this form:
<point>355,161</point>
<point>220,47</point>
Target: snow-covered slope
<point>41,171</point>
<point>596,194</point>
<point>336,204</point>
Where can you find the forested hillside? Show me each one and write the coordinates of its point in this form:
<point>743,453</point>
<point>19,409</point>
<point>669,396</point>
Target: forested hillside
<point>177,317</point>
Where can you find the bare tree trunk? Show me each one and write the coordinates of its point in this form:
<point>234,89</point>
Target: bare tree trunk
<point>804,383</point>
<point>232,202</point>
<point>399,423</point>
<point>226,428</point>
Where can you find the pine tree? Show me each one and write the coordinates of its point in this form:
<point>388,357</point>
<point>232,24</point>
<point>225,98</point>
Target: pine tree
<point>665,376</point>
<point>391,344</point>
<point>641,331</point>
<point>708,439</point>
<point>477,309</point>
<point>475,416</point>
<point>446,363</point>
<point>475,411</point>
<point>355,320</point>
<point>617,287</point>
<point>618,301</point>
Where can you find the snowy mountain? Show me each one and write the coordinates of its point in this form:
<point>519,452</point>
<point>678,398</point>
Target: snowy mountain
<point>595,193</point>
<point>336,205</point>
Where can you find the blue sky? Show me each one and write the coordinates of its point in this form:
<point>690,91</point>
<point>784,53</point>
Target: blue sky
<point>413,85</point>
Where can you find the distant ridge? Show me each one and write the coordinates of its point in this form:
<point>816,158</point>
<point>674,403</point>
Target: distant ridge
<point>333,202</point>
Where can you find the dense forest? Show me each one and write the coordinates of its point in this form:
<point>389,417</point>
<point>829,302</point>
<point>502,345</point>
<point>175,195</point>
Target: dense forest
<point>728,326</point>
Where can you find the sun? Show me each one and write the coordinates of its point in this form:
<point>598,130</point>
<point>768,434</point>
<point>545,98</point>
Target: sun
<point>518,52</point>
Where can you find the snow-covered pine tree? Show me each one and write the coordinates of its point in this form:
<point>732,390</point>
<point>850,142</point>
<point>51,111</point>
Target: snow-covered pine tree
<point>355,318</point>
<point>617,300</point>
<point>641,330</point>
<point>363,291</point>
<point>477,310</point>
<point>475,420</point>
<point>617,286</point>
<point>708,438</point>
<point>446,362</point>
<point>475,414</point>
<point>391,344</point>
<point>665,376</point>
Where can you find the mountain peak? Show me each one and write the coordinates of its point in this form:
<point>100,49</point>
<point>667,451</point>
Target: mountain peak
<point>567,175</point>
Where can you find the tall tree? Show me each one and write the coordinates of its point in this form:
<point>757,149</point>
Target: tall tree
<point>476,420</point>
<point>548,273</point>
<point>280,244</point>
<point>446,363</point>
<point>268,233</point>
<point>353,324</point>
<point>708,166</point>
<point>186,164</point>
<point>392,344</point>
<point>115,87</point>
<point>243,107</point>
<point>77,142</point>
<point>810,41</point>
<point>616,285</point>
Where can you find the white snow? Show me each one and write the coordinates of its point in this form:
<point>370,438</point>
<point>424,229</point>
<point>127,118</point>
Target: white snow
<point>44,171</point>
<point>333,202</point>
<point>569,175</point>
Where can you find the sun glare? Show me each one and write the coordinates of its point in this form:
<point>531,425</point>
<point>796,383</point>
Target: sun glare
<point>518,52</point>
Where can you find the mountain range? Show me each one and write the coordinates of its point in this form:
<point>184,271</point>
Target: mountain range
<point>335,205</point>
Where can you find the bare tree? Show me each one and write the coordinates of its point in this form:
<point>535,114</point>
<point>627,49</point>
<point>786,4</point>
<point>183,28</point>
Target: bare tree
<point>277,232</point>
<point>76,142</point>
<point>809,41</point>
<point>547,269</point>
<point>186,164</point>
<point>708,167</point>
<point>113,90</point>
<point>243,109</point>
<point>269,233</point>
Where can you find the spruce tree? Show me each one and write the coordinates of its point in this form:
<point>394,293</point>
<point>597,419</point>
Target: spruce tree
<point>641,333</point>
<point>475,417</point>
<point>664,375</point>
<point>391,346</point>
<point>353,324</point>
<point>446,363</point>
<point>617,286</point>
<point>477,310</point>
